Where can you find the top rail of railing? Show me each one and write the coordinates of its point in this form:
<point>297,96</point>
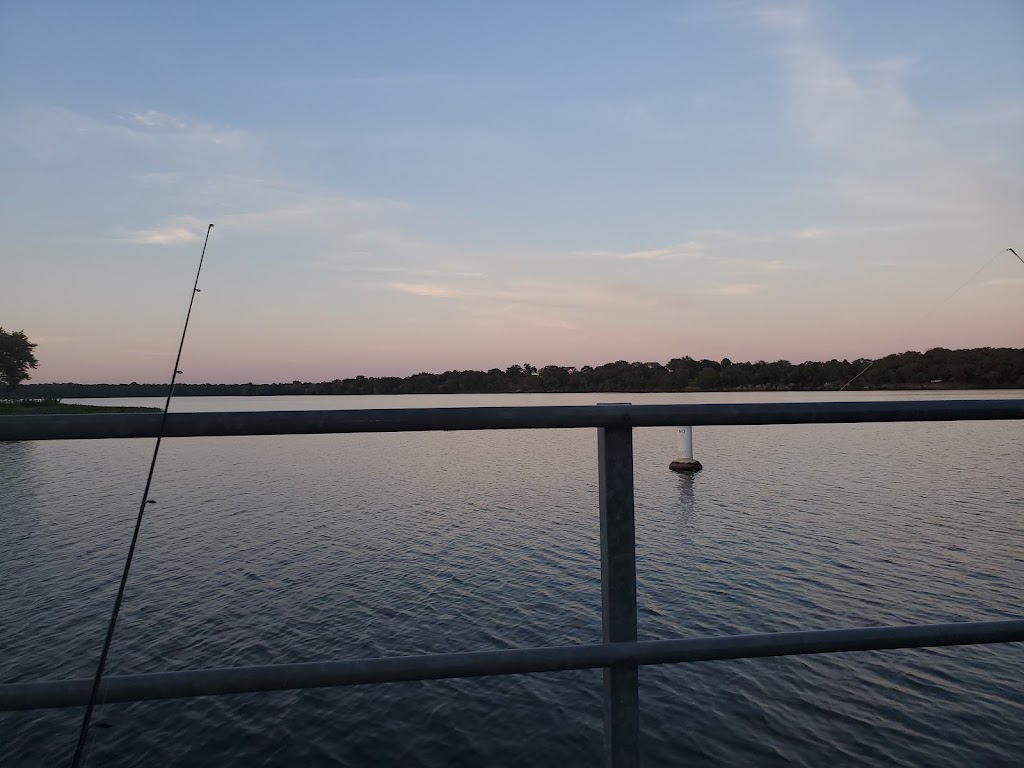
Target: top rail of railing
<point>127,425</point>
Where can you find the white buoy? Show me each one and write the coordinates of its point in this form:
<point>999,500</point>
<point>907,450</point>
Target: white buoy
<point>685,462</point>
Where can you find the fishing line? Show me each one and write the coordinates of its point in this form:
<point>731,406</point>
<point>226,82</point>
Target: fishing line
<point>936,306</point>
<point>83,733</point>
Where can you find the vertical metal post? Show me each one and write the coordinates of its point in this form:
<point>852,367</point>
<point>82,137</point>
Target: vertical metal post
<point>618,593</point>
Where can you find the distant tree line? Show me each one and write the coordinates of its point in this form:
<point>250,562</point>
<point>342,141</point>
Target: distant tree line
<point>983,368</point>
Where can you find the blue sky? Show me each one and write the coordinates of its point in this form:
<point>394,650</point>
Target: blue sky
<point>411,186</point>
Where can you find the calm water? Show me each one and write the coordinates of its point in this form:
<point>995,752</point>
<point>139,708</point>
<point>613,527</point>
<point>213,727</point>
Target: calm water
<point>301,548</point>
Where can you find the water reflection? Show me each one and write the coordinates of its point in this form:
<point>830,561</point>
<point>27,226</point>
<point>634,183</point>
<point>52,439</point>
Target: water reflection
<point>686,482</point>
<point>14,460</point>
<point>18,489</point>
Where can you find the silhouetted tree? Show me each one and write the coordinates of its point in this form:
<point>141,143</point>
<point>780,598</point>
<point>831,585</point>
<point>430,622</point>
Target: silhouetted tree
<point>16,358</point>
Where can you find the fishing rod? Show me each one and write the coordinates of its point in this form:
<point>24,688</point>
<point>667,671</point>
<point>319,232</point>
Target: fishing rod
<point>936,306</point>
<point>83,733</point>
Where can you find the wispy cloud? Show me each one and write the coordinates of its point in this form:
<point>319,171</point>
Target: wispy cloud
<point>425,272</point>
<point>49,132</point>
<point>178,230</point>
<point>891,165</point>
<point>158,178</point>
<point>841,108</point>
<point>814,233</point>
<point>164,236</point>
<point>790,18</point>
<point>150,123</point>
<point>736,289</point>
<point>718,237</point>
<point>427,289</point>
<point>688,251</point>
<point>509,315</point>
<point>1005,113</point>
<point>629,115</point>
<point>733,236</point>
<point>636,120</point>
<point>756,266</point>
<point>346,227</point>
<point>158,120</point>
<point>531,293</point>
<point>309,211</point>
<point>832,233</point>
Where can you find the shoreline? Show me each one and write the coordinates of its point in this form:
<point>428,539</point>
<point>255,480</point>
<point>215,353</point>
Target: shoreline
<point>181,392</point>
<point>20,407</point>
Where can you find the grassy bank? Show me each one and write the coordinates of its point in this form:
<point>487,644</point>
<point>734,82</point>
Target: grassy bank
<point>51,406</point>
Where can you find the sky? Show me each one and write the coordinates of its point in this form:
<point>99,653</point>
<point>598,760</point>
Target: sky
<point>404,187</point>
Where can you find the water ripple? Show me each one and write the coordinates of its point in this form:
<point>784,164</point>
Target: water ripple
<point>287,549</point>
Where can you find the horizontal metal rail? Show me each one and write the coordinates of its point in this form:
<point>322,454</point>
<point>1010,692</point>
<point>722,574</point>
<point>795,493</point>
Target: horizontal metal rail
<point>121,425</point>
<point>281,677</point>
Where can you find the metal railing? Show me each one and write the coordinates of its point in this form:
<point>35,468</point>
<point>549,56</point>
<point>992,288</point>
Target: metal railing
<point>620,654</point>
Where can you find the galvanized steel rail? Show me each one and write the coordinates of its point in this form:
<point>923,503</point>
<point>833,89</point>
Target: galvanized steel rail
<point>620,654</point>
<point>120,425</point>
<point>397,669</point>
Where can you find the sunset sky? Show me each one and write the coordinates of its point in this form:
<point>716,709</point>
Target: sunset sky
<point>400,187</point>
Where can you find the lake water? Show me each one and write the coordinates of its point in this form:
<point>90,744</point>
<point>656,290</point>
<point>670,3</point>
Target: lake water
<point>299,548</point>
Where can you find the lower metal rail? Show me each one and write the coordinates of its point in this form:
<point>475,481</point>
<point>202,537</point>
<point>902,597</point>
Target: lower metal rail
<point>282,677</point>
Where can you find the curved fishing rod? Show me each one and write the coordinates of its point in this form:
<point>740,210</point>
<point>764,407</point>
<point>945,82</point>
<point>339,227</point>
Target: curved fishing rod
<point>83,733</point>
<point>939,304</point>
